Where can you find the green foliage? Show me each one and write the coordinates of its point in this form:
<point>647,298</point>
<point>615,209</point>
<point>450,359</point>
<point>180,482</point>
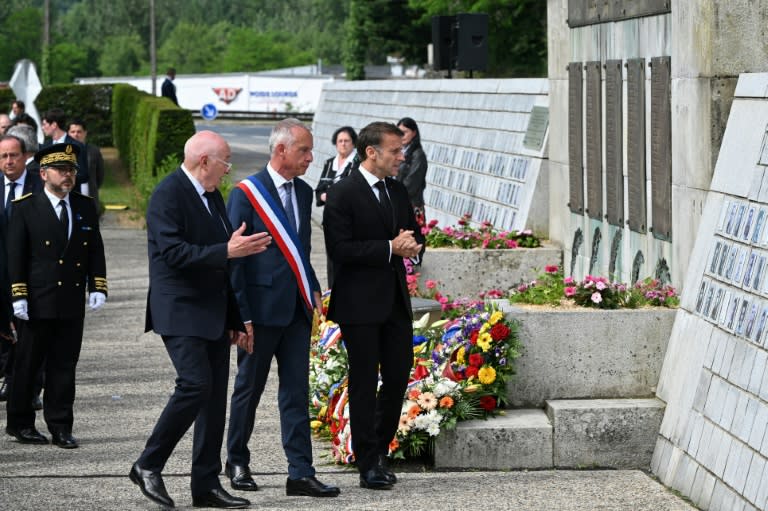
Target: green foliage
<point>484,236</point>
<point>91,103</point>
<point>68,61</point>
<point>547,289</point>
<point>150,133</point>
<point>262,51</point>
<point>123,55</point>
<point>355,40</point>
<point>20,38</point>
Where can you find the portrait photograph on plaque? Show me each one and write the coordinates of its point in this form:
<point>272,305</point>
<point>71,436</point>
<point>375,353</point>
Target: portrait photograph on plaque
<point>751,316</point>
<point>738,220</point>
<point>759,272</point>
<point>734,207</point>
<point>708,300</point>
<point>733,256</point>
<point>716,305</point>
<point>746,281</point>
<point>761,325</point>
<point>740,265</point>
<point>733,309</point>
<point>723,216</point>
<point>702,292</point>
<point>741,322</point>
<point>722,266</point>
<point>715,256</point>
<point>759,223</point>
<point>748,223</point>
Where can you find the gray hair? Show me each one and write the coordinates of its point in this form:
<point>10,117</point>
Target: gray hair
<point>27,134</point>
<point>282,133</point>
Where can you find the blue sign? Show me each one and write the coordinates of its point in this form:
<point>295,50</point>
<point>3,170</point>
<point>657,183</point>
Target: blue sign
<point>209,112</point>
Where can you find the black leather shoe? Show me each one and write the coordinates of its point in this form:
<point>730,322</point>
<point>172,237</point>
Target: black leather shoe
<point>374,479</point>
<point>4,391</point>
<point>64,440</point>
<point>27,435</point>
<point>151,485</point>
<point>37,403</point>
<point>309,487</point>
<point>218,497</point>
<point>240,477</point>
<point>383,465</point>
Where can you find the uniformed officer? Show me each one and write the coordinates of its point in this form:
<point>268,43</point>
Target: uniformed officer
<point>55,252</point>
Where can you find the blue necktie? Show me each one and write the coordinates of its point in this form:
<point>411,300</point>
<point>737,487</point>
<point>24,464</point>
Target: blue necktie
<point>9,199</point>
<point>288,205</point>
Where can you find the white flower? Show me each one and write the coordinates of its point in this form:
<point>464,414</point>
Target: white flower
<point>445,387</point>
<point>596,297</point>
<point>433,429</point>
<point>427,420</point>
<point>600,285</point>
<point>323,379</point>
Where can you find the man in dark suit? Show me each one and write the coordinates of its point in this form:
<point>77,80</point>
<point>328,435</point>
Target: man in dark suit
<point>191,305</point>
<point>55,251</point>
<point>54,124</point>
<point>369,228</point>
<point>17,182</point>
<point>168,89</point>
<point>276,291</point>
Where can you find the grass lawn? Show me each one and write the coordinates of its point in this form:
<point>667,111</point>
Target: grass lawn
<point>118,190</point>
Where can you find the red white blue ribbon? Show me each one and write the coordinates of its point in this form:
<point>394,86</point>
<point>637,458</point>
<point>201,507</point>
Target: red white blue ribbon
<point>277,224</point>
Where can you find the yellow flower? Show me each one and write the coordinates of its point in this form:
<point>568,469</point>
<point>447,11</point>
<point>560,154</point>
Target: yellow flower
<point>485,328</point>
<point>484,341</point>
<point>316,424</point>
<point>495,317</point>
<point>487,375</point>
<point>460,356</point>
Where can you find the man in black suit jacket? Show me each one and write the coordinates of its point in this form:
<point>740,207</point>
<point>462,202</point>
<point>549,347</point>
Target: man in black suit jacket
<point>54,124</point>
<point>369,229</point>
<point>168,89</point>
<point>276,302</point>
<point>55,251</point>
<point>17,182</point>
<point>191,305</point>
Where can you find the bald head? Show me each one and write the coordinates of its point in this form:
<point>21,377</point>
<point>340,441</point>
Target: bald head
<point>206,157</point>
<point>5,123</point>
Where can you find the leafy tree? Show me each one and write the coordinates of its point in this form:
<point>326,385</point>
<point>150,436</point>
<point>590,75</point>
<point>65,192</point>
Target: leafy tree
<point>355,43</point>
<point>122,55</point>
<point>251,51</point>
<point>20,38</point>
<point>68,61</point>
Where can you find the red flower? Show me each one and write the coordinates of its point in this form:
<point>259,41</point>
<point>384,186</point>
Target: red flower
<point>471,371</point>
<point>488,403</point>
<point>550,268</point>
<point>420,372</point>
<point>499,331</point>
<point>473,337</point>
<point>475,359</point>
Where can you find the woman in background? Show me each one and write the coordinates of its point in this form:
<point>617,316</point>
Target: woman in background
<point>336,169</point>
<point>413,171</point>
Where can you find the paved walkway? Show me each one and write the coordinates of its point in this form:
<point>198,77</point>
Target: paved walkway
<point>125,378</point>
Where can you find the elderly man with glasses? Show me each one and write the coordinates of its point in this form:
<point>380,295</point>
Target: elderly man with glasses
<point>58,256</point>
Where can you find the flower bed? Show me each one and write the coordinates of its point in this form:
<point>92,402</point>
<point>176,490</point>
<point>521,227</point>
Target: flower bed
<point>461,370</point>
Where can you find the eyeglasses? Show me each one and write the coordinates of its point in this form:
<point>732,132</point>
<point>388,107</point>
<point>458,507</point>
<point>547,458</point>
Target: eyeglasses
<point>228,164</point>
<point>63,171</point>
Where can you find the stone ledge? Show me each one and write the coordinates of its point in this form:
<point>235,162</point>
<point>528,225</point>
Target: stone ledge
<point>616,433</point>
<point>521,439</point>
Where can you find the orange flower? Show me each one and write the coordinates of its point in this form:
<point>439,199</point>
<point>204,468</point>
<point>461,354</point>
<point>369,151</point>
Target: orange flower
<point>394,445</point>
<point>414,411</point>
<point>414,394</point>
<point>446,402</point>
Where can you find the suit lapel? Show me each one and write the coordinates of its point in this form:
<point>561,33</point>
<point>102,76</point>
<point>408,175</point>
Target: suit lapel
<point>367,192</point>
<point>51,221</point>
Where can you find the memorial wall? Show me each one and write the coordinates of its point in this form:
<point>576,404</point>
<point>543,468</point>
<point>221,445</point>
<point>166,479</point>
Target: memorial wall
<point>485,142</point>
<point>713,446</point>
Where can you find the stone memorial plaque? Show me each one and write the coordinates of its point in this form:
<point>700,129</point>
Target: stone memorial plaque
<point>537,128</point>
<point>763,159</point>
<point>590,12</point>
<point>636,177</point>
<point>575,139</point>
<point>721,346</point>
<point>594,141</point>
<point>614,137</point>
<point>661,148</point>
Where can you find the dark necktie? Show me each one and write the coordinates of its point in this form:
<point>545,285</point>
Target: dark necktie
<point>384,201</point>
<point>213,208</point>
<point>64,217</point>
<point>288,205</point>
<point>9,199</point>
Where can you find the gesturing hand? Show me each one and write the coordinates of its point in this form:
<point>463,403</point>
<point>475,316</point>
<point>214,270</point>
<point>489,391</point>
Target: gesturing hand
<point>405,244</point>
<point>241,246</point>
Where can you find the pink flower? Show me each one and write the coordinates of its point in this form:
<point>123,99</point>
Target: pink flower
<point>425,230</point>
<point>550,268</point>
<point>430,284</point>
<point>600,285</point>
<point>432,223</point>
<point>568,280</point>
<point>596,297</point>
<point>511,243</point>
<point>587,283</point>
<point>570,291</point>
<point>522,288</point>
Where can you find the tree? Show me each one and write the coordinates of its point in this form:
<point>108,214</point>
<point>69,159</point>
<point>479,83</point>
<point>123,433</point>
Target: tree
<point>251,51</point>
<point>355,42</point>
<point>122,55</point>
<point>20,38</point>
<point>67,62</point>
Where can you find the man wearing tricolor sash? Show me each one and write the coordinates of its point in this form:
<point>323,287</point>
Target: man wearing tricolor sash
<point>277,291</point>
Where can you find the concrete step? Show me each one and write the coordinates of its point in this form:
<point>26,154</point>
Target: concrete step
<point>573,433</point>
<point>518,440</point>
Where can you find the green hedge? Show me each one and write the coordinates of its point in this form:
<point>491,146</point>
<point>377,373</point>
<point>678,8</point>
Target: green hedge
<point>149,133</point>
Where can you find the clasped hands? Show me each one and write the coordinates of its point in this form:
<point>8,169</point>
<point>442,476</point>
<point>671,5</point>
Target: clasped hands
<point>405,244</point>
<point>241,246</point>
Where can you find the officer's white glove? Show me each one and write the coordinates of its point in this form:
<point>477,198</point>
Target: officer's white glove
<point>96,300</point>
<point>20,309</point>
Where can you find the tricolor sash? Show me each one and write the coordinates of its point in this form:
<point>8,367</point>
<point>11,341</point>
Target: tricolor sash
<point>277,224</point>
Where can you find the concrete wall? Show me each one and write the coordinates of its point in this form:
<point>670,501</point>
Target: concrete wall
<point>713,445</point>
<point>472,132</point>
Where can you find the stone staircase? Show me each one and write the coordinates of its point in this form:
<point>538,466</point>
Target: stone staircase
<point>582,401</point>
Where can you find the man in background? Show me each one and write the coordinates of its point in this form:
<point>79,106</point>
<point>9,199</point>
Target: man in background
<point>53,123</point>
<point>168,89</point>
<point>79,132</point>
<point>17,108</point>
<point>5,123</point>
